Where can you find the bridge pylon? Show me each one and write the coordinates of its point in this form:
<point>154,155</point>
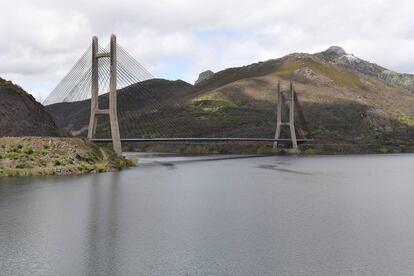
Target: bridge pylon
<point>112,111</point>
<point>289,123</point>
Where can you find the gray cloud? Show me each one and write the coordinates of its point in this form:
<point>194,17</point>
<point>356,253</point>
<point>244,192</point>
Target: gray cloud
<point>41,39</point>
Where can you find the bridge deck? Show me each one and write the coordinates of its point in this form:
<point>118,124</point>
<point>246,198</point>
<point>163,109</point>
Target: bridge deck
<point>205,139</point>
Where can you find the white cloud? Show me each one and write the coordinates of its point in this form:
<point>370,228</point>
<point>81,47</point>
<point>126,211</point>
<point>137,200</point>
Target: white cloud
<point>41,39</point>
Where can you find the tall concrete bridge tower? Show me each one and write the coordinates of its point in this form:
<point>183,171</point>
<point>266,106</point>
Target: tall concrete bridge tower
<point>112,110</point>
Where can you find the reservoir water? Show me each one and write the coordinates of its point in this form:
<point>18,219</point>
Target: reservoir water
<point>322,215</point>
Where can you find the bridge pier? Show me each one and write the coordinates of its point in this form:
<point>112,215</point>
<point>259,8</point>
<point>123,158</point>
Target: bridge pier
<point>112,111</point>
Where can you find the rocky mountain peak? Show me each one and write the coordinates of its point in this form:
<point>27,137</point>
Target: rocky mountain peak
<point>336,50</point>
<point>204,76</point>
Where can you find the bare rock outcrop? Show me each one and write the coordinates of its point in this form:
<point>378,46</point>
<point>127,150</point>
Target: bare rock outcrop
<point>204,76</point>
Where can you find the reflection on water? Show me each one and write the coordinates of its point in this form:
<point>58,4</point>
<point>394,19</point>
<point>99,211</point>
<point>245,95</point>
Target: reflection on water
<point>102,255</point>
<point>336,215</point>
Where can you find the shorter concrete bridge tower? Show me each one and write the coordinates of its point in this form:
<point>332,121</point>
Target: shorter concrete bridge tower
<point>291,122</point>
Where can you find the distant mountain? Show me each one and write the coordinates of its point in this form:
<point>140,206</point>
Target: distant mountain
<point>21,114</point>
<point>343,106</point>
<point>336,55</point>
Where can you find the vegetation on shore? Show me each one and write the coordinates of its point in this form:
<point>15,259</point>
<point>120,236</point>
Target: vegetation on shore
<point>27,156</point>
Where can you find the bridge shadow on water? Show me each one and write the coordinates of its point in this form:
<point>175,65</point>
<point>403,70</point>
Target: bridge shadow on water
<point>154,162</point>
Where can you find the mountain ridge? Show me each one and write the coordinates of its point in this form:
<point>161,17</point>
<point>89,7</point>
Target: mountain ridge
<point>337,55</point>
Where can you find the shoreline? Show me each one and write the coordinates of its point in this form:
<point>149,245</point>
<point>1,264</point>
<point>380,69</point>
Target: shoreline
<point>36,156</point>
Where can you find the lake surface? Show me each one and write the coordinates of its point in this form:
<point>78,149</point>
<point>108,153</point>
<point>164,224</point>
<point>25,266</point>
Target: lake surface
<point>324,215</point>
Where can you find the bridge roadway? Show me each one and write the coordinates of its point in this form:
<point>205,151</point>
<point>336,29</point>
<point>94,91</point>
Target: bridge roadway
<point>195,140</point>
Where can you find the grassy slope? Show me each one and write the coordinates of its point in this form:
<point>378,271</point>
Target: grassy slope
<point>44,156</point>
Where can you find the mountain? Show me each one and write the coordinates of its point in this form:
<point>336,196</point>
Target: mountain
<point>343,108</point>
<point>21,114</point>
<point>336,55</point>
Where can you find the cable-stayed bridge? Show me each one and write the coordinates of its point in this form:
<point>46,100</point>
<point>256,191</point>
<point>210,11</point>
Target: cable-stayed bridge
<point>145,115</point>
<point>76,85</point>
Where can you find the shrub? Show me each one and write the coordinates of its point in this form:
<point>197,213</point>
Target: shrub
<point>309,151</point>
<point>101,166</point>
<point>12,155</point>
<point>28,150</point>
<point>195,149</point>
<point>132,161</point>
<point>11,172</point>
<point>20,166</point>
<point>264,149</point>
<point>383,150</point>
<point>120,163</point>
<point>85,167</point>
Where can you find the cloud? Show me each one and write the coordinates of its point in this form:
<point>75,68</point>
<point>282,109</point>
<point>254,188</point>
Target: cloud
<point>41,39</point>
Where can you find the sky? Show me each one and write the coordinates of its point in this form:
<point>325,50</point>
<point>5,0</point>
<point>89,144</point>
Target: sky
<point>40,40</point>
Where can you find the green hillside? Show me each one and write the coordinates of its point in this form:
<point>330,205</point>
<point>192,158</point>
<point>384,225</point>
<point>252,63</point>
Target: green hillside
<point>342,109</point>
